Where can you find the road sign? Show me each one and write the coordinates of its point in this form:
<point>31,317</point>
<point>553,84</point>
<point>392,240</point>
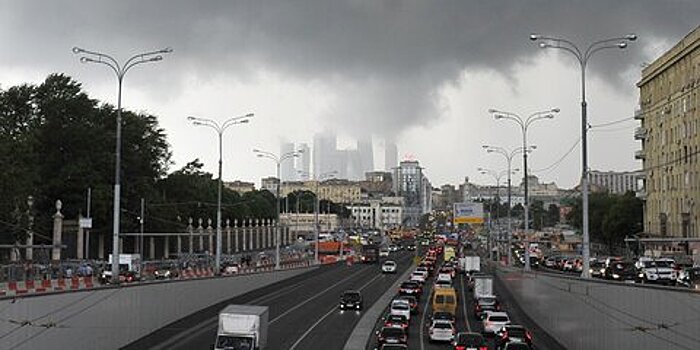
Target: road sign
<point>85,223</point>
<point>468,213</point>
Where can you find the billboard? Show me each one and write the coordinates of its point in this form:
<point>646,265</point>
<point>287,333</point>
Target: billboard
<point>468,213</point>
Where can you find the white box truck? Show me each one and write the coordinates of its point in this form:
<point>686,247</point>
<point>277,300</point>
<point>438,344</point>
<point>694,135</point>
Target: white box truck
<point>483,286</point>
<point>470,264</point>
<point>242,327</point>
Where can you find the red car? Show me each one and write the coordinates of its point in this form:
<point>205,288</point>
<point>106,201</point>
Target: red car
<point>396,321</point>
<point>390,335</point>
<point>410,288</point>
<point>464,341</point>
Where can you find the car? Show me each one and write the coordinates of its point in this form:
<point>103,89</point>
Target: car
<point>517,346</point>
<point>494,321</point>
<point>441,330</point>
<point>568,265</point>
<point>412,301</point>
<point>485,304</point>
<point>419,276</point>
<point>351,300</point>
<point>469,341</point>
<point>411,247</point>
<point>442,276</point>
<point>550,262</point>
<point>447,270</point>
<point>396,321</point>
<point>513,333</point>
<point>391,335</point>
<point>383,252</point>
<point>410,288</point>
<point>689,277</point>
<point>394,347</point>
<point>442,284</point>
<point>597,269</point>
<point>660,271</point>
<point>623,271</point>
<point>389,266</point>
<point>442,315</point>
<point>400,307</point>
<point>393,248</point>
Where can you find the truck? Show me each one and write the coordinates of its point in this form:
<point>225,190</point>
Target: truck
<point>242,327</point>
<point>483,286</point>
<point>470,264</point>
<point>370,253</point>
<point>129,268</point>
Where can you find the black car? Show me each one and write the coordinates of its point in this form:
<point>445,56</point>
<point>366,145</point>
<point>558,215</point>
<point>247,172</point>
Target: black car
<point>513,333</point>
<point>411,247</point>
<point>390,335</point>
<point>351,300</point>
<point>465,341</point>
<point>622,271</point>
<point>485,304</point>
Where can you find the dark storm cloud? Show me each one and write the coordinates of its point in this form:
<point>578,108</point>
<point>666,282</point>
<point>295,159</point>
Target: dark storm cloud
<point>384,60</point>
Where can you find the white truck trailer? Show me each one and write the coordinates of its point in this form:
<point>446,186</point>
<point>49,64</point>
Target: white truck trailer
<point>242,327</point>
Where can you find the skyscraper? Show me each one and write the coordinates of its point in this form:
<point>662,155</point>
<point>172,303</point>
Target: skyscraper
<point>366,156</point>
<point>325,153</point>
<point>287,172</point>
<point>391,156</point>
<point>303,163</point>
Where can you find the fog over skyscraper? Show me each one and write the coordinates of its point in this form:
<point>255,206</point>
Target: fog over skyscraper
<point>287,172</point>
<point>391,155</point>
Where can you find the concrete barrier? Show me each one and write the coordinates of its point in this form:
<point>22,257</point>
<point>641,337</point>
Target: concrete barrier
<point>597,314</point>
<point>108,318</point>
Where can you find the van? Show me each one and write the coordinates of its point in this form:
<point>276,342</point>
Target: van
<point>445,300</point>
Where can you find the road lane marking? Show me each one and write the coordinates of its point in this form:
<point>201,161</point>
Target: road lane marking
<point>204,325</point>
<point>464,304</point>
<point>422,321</point>
<point>332,310</point>
<point>314,297</point>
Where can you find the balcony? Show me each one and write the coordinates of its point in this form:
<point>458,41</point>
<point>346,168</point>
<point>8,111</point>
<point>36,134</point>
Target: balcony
<point>638,114</point>
<point>640,154</point>
<point>640,133</point>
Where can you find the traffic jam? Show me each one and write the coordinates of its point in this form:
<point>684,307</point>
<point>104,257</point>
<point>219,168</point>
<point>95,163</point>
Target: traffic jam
<point>447,303</point>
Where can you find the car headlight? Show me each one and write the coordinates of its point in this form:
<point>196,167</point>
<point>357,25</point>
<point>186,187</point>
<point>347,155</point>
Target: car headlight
<point>615,275</point>
<point>640,275</point>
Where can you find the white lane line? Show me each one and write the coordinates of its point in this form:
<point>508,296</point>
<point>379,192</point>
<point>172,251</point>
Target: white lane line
<point>330,312</point>
<point>422,322</point>
<point>464,303</point>
<point>204,325</point>
<point>314,297</point>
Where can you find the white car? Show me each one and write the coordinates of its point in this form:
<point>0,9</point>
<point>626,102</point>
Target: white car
<point>419,276</point>
<point>444,277</point>
<point>494,321</point>
<point>442,330</point>
<point>400,307</point>
<point>442,284</point>
<point>383,252</point>
<point>389,266</point>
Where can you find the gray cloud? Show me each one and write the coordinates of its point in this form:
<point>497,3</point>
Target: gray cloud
<point>383,60</point>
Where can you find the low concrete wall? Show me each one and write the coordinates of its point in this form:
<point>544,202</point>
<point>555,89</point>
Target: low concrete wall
<point>113,317</point>
<point>599,314</point>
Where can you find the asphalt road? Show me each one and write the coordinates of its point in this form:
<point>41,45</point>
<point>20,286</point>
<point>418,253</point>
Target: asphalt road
<point>303,314</point>
<point>466,321</point>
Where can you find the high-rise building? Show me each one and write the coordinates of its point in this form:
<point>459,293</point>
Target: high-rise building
<point>303,163</point>
<point>325,153</point>
<point>670,134</point>
<point>365,152</point>
<point>287,172</point>
<point>416,190</point>
<point>391,156</point>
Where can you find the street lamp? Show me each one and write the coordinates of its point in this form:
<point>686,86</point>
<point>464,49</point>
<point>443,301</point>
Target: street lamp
<point>219,128</point>
<point>547,42</point>
<point>508,154</point>
<point>278,159</point>
<point>524,124</point>
<point>318,178</point>
<point>497,177</point>
<point>119,69</point>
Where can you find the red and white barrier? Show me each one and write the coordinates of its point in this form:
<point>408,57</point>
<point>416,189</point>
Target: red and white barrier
<point>15,288</point>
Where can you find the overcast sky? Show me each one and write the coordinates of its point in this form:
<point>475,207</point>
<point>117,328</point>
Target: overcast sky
<point>423,73</point>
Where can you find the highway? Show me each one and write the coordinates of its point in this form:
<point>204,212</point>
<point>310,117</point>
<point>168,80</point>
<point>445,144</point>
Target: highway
<point>466,321</point>
<point>304,310</point>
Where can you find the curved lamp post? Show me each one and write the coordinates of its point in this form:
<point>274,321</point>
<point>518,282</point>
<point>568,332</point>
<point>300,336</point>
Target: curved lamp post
<point>120,70</point>
<point>524,124</point>
<point>549,42</point>
<point>220,128</point>
<point>509,155</point>
<point>278,159</point>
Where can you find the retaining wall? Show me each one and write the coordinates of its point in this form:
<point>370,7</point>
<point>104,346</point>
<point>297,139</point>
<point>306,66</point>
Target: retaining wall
<point>597,314</point>
<point>113,317</point>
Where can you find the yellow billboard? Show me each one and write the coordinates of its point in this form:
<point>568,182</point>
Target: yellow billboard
<point>468,213</point>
